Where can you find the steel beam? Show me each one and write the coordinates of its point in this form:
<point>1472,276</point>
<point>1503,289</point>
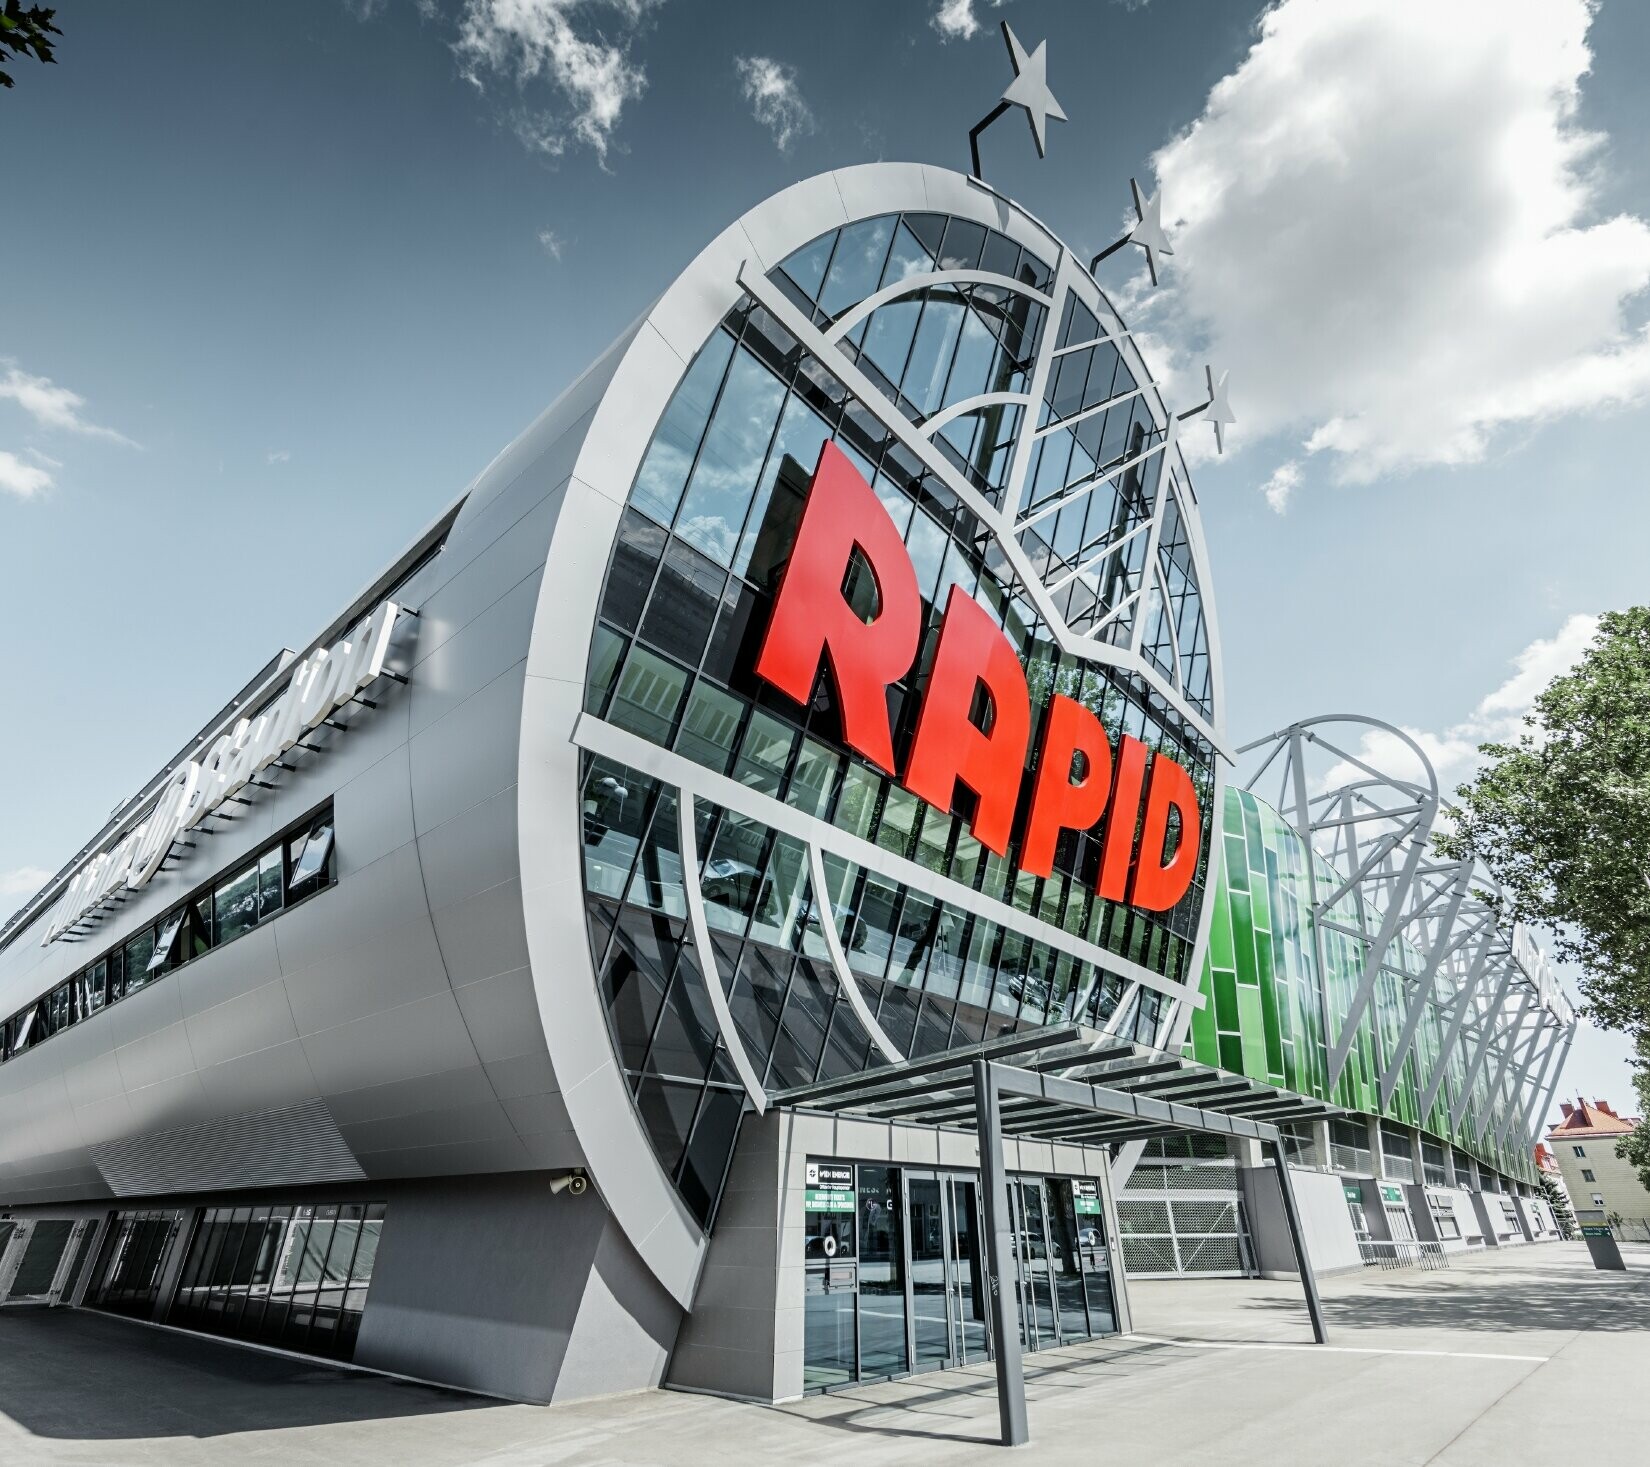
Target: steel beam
<point>1421,994</point>
<point>1000,1286</point>
<point>1297,1237</point>
<point>1492,1012</point>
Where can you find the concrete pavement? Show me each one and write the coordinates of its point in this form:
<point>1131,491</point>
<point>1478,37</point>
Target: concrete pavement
<point>1522,1355</point>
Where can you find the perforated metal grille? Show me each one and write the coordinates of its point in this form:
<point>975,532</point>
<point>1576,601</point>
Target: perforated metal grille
<point>1181,1234</point>
<point>293,1146</point>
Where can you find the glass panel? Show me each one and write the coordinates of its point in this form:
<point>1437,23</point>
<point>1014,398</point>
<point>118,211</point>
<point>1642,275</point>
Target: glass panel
<point>830,1293</point>
<point>235,906</point>
<point>309,856</point>
<point>649,693</point>
<point>163,946</point>
<point>857,264</point>
<point>710,727</point>
<point>969,1295</point>
<point>882,1273</point>
<point>730,462</point>
<point>670,458</point>
<point>1065,1260</point>
<point>1037,1327</point>
<point>684,603</point>
<point>269,884</point>
<point>929,1285</point>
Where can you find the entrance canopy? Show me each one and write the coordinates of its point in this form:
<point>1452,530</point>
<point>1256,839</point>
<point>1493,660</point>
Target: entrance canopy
<point>1070,1084</point>
<point>1065,1083</point>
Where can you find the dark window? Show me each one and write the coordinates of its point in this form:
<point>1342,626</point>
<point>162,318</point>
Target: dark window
<point>291,1276</point>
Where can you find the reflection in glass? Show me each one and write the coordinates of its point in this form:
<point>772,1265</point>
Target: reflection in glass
<point>882,1273</point>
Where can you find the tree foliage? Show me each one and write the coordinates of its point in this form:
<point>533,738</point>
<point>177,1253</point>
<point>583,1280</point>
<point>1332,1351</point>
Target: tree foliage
<point>1560,1205</point>
<point>1635,1147</point>
<point>1562,818</point>
<point>26,33</point>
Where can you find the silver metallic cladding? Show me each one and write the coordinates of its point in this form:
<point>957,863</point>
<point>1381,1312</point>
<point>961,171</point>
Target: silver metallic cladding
<point>401,999</point>
<point>441,1001</point>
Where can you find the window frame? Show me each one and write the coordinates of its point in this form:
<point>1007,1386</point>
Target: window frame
<point>178,935</point>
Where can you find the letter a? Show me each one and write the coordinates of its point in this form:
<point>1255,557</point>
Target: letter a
<point>949,746</point>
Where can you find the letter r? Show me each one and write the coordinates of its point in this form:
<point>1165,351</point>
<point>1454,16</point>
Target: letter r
<point>813,621</point>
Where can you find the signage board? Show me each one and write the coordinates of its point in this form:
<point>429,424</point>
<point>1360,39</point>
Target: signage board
<point>322,683</point>
<point>1077,778</point>
<point>1353,1192</point>
<point>1390,1193</point>
<point>1086,1198</point>
<point>829,1187</point>
<point>1596,1230</point>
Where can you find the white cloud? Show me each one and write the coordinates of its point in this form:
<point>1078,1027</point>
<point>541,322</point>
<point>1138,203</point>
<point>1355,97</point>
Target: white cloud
<point>1285,480</point>
<point>776,101</point>
<point>52,406</point>
<point>21,479</point>
<point>1497,717</point>
<point>22,882</point>
<point>955,20</point>
<point>532,40</point>
<point>551,243</point>
<point>1388,230</point>
<point>278,456</point>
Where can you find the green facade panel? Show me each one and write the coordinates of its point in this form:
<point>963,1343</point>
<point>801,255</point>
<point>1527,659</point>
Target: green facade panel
<point>1269,993</point>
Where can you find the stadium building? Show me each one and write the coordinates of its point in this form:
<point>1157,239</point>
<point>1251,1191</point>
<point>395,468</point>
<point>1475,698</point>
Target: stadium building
<point>764,865</point>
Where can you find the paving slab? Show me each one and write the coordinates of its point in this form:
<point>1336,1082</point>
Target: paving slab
<point>1517,1355</point>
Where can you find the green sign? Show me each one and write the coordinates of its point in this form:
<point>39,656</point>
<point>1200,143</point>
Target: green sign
<point>828,1199</point>
<point>1086,1197</point>
<point>1596,1230</point>
<point>1391,1194</point>
<point>1354,1193</point>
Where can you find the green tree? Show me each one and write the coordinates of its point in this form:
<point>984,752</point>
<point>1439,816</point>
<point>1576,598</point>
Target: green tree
<point>26,33</point>
<point>1635,1147</point>
<point>1562,817</point>
<point>1560,1205</point>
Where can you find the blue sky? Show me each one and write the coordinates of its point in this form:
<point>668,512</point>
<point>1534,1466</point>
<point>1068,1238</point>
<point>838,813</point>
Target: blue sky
<point>295,273</point>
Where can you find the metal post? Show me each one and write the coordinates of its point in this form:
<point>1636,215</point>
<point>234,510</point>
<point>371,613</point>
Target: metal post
<point>999,1260</point>
<point>1309,1282</point>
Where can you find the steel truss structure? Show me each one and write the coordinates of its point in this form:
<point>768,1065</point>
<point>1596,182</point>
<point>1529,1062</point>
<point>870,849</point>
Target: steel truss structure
<point>1437,927</point>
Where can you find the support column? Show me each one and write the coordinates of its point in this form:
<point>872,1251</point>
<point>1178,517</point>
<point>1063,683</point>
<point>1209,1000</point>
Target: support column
<point>999,1261</point>
<point>1303,1260</point>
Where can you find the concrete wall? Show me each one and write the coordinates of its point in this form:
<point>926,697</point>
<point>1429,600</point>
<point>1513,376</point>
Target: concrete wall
<point>1331,1243</point>
<point>490,1283</point>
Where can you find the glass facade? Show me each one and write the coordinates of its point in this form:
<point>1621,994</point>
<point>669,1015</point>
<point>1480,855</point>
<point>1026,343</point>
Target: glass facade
<point>135,1246</point>
<point>706,535</point>
<point>1267,1000</point>
<point>292,1276</point>
<point>894,1282</point>
<point>288,871</point>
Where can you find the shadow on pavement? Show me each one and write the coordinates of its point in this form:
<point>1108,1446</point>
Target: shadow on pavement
<point>961,1404</point>
<point>1504,1299</point>
<point>79,1375</point>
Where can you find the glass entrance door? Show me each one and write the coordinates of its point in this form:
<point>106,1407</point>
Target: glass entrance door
<point>931,1336</point>
<point>1038,1326</point>
<point>970,1313</point>
<point>948,1299</point>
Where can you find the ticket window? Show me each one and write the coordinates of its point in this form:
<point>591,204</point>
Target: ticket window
<point>1355,1206</point>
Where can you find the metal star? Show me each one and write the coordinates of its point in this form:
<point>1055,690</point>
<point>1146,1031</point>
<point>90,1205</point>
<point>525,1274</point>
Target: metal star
<point>1029,88</point>
<point>1218,410</point>
<point>1149,233</point>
